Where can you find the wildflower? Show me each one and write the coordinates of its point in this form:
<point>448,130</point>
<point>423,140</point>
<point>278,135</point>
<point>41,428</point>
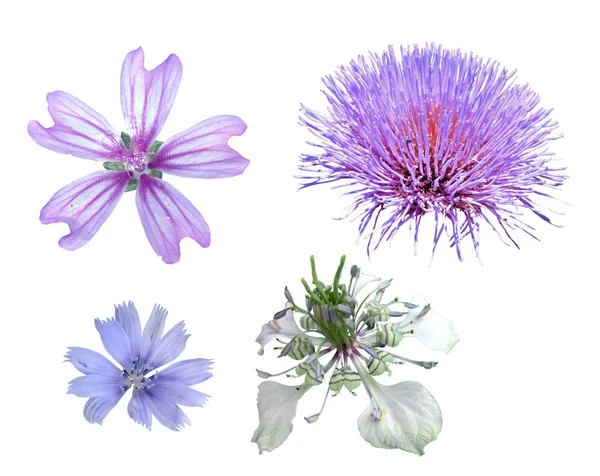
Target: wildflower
<point>139,355</point>
<point>437,132</point>
<point>135,160</point>
<point>354,341</point>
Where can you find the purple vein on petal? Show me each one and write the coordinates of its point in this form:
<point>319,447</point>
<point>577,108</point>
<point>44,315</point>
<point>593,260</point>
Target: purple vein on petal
<point>202,150</point>
<point>168,217</point>
<point>78,130</point>
<point>147,96</point>
<point>84,205</point>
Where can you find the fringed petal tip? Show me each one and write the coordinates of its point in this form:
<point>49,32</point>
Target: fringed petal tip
<point>276,409</point>
<point>147,96</point>
<point>84,205</point>
<point>78,130</point>
<point>431,329</point>
<point>203,151</point>
<point>406,417</point>
<point>168,217</point>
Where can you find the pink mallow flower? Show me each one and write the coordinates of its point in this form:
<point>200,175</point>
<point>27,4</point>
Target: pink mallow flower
<point>135,160</point>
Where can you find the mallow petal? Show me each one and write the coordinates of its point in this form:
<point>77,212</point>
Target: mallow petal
<point>139,410</point>
<point>115,341</point>
<point>96,408</point>
<point>168,217</point>
<point>432,330</point>
<point>147,96</point>
<point>84,206</point>
<point>169,347</point>
<point>277,405</point>
<point>91,362</point>
<point>202,150</point>
<point>78,130</point>
<point>126,314</point>
<point>283,327</point>
<point>189,372</point>
<point>403,416</point>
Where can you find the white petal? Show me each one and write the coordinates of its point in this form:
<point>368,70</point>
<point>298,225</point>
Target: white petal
<point>409,417</point>
<point>432,330</point>
<point>358,284</point>
<point>283,327</point>
<point>276,409</point>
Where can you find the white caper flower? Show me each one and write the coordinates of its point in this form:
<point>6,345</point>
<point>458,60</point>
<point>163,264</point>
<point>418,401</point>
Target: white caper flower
<point>354,337</point>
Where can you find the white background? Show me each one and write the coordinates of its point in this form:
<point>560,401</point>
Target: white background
<point>518,393</point>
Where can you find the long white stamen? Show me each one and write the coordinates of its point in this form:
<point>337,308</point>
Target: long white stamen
<point>420,363</point>
<point>315,417</point>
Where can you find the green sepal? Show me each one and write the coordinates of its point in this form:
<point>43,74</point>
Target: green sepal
<point>154,148</point>
<point>300,347</point>
<point>336,382</point>
<point>386,356</point>
<point>311,377</point>
<point>307,323</point>
<point>114,166</point>
<point>303,368</point>
<point>156,173</point>
<point>132,185</point>
<point>351,380</point>
<point>345,377</point>
<point>390,335</point>
<point>376,312</point>
<point>126,139</point>
<point>377,366</point>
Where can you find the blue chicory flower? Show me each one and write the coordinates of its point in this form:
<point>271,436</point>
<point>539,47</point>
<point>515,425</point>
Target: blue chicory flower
<point>140,355</point>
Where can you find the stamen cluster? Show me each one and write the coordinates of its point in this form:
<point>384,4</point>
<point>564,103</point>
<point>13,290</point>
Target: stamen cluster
<point>334,322</point>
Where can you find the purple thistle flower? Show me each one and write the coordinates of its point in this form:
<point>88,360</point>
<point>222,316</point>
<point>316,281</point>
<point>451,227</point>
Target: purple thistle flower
<point>433,131</point>
<point>139,355</point>
<point>135,160</point>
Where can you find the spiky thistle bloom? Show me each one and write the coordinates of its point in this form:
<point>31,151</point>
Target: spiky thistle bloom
<point>139,356</point>
<point>352,335</point>
<point>437,132</point>
<point>135,160</point>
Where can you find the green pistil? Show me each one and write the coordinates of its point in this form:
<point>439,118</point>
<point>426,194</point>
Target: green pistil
<point>310,292</point>
<point>316,281</point>
<point>330,321</point>
<point>333,328</point>
<point>336,279</point>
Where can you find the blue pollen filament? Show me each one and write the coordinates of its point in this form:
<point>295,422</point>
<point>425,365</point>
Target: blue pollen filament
<point>137,379</point>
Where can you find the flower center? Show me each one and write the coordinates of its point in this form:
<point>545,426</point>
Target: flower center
<point>135,161</point>
<point>334,326</point>
<point>137,377</point>
<point>429,164</point>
